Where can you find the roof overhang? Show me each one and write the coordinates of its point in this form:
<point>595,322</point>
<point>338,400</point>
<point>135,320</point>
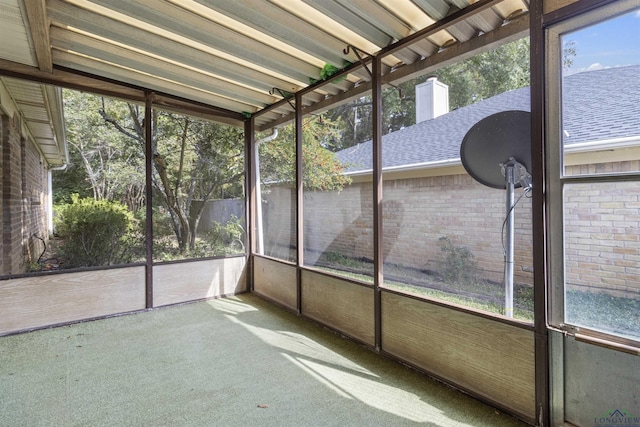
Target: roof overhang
<point>39,109</point>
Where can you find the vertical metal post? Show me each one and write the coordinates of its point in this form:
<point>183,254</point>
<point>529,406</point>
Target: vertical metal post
<point>250,202</point>
<point>299,200</point>
<point>148,151</point>
<point>538,174</point>
<point>378,255</point>
<point>509,246</point>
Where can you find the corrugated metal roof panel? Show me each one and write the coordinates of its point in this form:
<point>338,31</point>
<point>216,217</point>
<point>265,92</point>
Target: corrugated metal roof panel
<point>240,55</point>
<point>248,46</point>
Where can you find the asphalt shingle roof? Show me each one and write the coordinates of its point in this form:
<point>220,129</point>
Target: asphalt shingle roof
<point>598,105</point>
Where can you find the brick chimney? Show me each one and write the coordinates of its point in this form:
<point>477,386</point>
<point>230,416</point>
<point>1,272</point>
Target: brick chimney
<point>432,99</point>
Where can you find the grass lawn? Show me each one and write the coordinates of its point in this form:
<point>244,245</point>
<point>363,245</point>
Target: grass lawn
<point>480,294</point>
<point>603,312</point>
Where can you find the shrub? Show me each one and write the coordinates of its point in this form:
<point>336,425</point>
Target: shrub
<point>97,232</point>
<point>226,238</point>
<point>460,266</point>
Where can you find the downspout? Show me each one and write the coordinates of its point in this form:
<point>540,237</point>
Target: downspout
<point>259,228</point>
<point>56,94</point>
<point>50,188</point>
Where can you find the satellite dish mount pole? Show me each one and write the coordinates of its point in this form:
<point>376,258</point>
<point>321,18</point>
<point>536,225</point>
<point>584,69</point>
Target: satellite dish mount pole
<point>515,173</point>
<point>510,181</point>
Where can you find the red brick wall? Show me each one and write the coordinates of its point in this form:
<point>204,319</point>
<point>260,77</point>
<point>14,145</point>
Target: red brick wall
<point>35,196</point>
<point>23,196</point>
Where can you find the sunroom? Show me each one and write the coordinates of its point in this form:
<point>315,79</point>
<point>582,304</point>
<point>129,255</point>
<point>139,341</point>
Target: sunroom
<point>347,168</point>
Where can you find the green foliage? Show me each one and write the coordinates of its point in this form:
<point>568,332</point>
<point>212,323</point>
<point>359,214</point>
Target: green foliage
<point>72,180</point>
<point>321,169</point>
<point>460,266</point>
<point>569,53</point>
<point>193,160</point>
<point>488,74</point>
<point>221,239</point>
<point>97,232</point>
<point>338,259</point>
<point>105,163</point>
<point>329,70</point>
<point>228,238</point>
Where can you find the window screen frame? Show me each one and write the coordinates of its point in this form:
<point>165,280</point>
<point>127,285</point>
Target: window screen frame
<point>556,178</point>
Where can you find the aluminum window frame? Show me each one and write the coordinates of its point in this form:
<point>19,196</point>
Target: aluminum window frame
<point>557,179</point>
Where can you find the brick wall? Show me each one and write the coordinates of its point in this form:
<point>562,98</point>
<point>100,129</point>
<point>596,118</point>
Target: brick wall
<point>23,198</point>
<point>602,226</point>
<point>35,201</point>
<point>602,236</point>
<point>339,222</point>
<point>11,197</point>
<point>416,213</point>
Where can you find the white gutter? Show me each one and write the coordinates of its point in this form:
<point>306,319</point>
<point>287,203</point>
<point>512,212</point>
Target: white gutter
<point>259,227</point>
<point>605,144</point>
<point>414,166</point>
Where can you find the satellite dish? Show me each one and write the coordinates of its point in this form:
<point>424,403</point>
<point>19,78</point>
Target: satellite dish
<point>496,152</point>
<point>492,142</point>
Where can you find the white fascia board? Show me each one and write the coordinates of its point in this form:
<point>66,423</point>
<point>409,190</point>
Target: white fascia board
<point>410,167</point>
<point>604,144</point>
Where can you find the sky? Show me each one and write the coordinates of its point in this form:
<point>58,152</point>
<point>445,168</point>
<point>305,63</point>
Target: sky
<point>611,43</point>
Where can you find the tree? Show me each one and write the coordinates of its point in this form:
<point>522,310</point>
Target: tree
<point>321,169</point>
<point>569,53</point>
<point>192,160</point>
<point>488,74</point>
<point>104,164</point>
<point>205,162</point>
<point>480,77</point>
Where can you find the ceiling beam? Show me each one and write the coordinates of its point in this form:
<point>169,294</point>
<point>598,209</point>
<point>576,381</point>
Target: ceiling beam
<point>39,28</point>
<point>454,18</point>
<point>89,83</point>
<point>70,80</point>
<point>516,29</point>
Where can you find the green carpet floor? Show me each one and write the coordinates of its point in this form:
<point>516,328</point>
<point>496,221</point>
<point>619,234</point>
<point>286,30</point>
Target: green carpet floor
<point>231,362</point>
